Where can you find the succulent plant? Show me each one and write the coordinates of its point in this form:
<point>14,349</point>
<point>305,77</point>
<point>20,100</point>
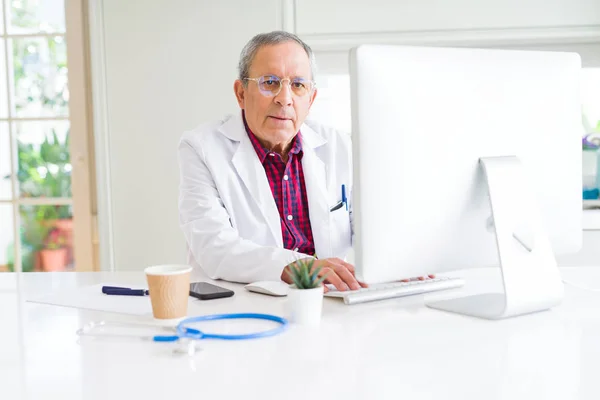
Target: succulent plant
<point>303,276</point>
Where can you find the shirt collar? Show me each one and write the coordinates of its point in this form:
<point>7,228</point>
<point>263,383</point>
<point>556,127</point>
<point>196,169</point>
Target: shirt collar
<point>262,152</point>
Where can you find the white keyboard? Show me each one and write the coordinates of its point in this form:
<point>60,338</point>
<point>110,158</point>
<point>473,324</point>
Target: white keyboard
<point>395,289</point>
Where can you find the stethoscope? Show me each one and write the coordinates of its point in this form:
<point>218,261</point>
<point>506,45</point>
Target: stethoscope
<point>185,332</point>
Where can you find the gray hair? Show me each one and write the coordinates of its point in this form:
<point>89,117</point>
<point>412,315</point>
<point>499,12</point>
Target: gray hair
<point>269,39</point>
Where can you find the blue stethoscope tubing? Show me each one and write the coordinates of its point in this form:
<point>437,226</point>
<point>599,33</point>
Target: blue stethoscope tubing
<point>190,333</point>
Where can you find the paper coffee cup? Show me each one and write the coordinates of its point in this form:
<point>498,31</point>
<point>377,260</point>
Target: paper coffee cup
<point>169,287</point>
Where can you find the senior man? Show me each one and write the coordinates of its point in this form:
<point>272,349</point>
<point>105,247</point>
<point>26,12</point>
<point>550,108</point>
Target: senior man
<point>262,188</point>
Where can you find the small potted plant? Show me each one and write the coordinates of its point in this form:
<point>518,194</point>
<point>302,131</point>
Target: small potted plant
<point>305,297</point>
<point>54,254</point>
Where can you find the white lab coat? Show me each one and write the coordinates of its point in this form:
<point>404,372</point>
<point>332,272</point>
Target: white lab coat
<point>227,211</point>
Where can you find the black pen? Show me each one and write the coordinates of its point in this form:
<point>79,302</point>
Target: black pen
<point>122,291</point>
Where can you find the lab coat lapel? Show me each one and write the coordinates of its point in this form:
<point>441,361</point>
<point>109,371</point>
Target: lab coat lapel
<point>253,175</point>
<point>315,179</point>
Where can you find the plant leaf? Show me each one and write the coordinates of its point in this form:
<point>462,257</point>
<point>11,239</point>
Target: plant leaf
<point>305,276</point>
<point>298,276</point>
<point>292,273</point>
<point>315,273</point>
<point>296,281</point>
<point>321,279</point>
<point>302,274</point>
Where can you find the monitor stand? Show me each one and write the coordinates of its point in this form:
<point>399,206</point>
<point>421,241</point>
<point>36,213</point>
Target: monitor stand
<point>530,275</point>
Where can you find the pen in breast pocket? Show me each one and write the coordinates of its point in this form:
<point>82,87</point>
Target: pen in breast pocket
<point>344,199</point>
<point>337,206</point>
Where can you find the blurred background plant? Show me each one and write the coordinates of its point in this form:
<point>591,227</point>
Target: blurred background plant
<point>591,134</point>
<point>54,254</point>
<point>591,162</point>
<point>43,171</point>
<point>55,239</point>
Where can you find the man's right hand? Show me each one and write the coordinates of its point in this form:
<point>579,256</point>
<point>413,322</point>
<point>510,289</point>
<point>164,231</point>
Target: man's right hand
<point>338,273</point>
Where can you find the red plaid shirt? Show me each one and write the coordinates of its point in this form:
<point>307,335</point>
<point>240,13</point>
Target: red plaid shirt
<point>287,185</point>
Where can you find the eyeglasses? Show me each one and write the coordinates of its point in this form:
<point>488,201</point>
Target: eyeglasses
<point>270,85</point>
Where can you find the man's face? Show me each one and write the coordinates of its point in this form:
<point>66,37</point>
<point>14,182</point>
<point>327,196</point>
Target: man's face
<point>276,119</point>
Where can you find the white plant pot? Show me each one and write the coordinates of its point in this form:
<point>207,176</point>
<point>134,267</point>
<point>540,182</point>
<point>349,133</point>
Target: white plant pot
<point>305,305</point>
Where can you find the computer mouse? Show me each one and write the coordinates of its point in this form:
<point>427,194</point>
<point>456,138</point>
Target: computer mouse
<point>272,288</point>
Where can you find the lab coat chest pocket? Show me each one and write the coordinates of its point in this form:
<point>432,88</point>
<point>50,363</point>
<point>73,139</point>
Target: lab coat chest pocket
<point>340,232</point>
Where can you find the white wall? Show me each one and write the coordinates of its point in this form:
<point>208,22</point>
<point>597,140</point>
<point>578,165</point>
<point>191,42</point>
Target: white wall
<point>359,16</point>
<point>170,65</point>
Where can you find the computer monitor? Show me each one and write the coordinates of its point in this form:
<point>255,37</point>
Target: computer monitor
<point>467,158</point>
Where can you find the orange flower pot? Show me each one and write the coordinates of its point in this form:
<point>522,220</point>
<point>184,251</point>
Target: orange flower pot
<point>66,226</point>
<point>54,259</point>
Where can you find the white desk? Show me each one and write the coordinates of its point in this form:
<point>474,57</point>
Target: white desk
<point>395,349</point>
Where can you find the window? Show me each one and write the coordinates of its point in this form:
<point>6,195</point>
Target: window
<point>332,105</point>
<point>591,142</point>
<point>36,196</point>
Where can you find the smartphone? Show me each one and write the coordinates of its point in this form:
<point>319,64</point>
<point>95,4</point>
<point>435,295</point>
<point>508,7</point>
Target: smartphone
<point>208,291</point>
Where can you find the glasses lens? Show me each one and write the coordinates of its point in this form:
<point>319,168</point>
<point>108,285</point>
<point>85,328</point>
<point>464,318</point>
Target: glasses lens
<point>269,85</point>
<point>300,87</point>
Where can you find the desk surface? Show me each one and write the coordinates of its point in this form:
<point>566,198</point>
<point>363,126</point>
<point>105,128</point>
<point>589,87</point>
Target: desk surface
<point>386,350</point>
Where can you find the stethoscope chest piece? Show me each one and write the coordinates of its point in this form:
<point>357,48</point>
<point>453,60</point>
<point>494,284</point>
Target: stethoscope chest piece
<point>187,347</point>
